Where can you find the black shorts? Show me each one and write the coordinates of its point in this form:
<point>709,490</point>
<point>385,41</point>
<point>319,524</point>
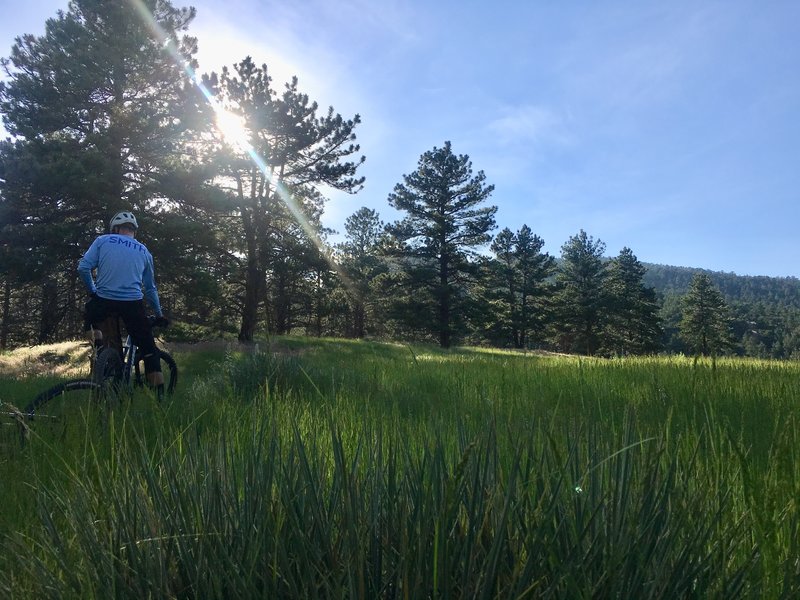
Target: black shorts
<point>132,313</point>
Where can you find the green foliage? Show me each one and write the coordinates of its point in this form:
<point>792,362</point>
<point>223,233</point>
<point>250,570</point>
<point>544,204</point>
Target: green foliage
<point>581,297</point>
<point>443,226</point>
<point>361,261</point>
<point>517,281</point>
<point>632,324</point>
<point>99,108</point>
<point>277,202</point>
<point>705,325</point>
<point>104,117</point>
<point>765,311</point>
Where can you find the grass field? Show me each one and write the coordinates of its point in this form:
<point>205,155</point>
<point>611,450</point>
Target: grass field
<point>333,469</point>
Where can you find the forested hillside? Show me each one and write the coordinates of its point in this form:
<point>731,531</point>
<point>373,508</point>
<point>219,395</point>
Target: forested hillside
<point>784,291</point>
<point>765,311</point>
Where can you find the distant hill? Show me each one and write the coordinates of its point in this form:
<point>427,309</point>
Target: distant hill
<point>765,311</point>
<point>783,291</point>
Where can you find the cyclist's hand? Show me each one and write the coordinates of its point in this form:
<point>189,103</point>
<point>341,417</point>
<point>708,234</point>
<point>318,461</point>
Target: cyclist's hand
<point>161,321</point>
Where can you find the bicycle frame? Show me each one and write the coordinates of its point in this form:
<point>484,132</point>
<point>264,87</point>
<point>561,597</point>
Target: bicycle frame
<point>127,351</point>
<point>128,356</point>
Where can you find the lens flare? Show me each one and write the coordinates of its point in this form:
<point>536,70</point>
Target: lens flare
<point>234,131</point>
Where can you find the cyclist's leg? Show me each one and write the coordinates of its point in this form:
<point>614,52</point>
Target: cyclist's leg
<point>95,313</point>
<point>138,326</point>
<point>110,328</point>
<point>101,320</point>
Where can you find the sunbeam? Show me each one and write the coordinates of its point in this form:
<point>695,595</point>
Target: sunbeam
<point>234,131</point>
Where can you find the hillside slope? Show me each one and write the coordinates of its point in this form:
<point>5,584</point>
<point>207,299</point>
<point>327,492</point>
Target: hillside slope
<point>765,311</point>
<point>736,288</point>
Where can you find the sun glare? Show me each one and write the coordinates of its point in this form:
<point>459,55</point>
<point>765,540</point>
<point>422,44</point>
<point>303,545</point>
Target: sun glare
<point>232,127</point>
<point>233,130</point>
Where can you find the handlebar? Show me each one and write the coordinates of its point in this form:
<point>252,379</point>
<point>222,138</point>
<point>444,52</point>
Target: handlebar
<point>162,322</point>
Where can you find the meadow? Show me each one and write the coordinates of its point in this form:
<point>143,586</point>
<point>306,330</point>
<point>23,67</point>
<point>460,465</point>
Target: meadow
<point>332,469</point>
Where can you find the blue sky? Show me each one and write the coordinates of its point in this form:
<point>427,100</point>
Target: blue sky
<point>672,128</point>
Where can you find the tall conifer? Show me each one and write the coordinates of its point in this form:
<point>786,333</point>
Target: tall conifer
<point>445,223</point>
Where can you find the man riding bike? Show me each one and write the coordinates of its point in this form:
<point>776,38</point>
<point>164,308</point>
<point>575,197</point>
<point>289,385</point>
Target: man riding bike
<point>124,277</point>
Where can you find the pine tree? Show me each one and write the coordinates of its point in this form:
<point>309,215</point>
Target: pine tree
<point>632,324</point>
<point>535,269</point>
<point>502,278</point>
<point>361,262</point>
<point>444,224</point>
<point>518,275</point>
<point>97,106</point>
<point>278,203</point>
<point>103,94</point>
<point>705,324</point>
<point>580,301</point>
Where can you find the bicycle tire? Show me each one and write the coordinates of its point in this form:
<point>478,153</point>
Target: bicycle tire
<point>64,411</point>
<point>107,369</point>
<point>170,373</point>
<point>58,390</point>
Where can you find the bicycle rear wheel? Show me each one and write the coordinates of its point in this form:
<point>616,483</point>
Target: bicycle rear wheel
<point>107,368</point>
<point>77,385</point>
<point>73,405</point>
<point>168,367</point>
<point>53,411</point>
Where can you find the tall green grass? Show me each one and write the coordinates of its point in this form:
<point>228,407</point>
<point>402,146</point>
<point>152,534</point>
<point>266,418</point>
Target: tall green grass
<point>345,469</point>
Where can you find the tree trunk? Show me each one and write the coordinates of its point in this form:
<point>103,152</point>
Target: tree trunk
<point>74,312</point>
<point>318,322</point>
<point>251,300</point>
<point>282,305</point>
<point>6,325</point>
<point>48,319</point>
<point>318,305</point>
<point>254,275</point>
<point>523,320</point>
<point>444,303</point>
<point>358,319</point>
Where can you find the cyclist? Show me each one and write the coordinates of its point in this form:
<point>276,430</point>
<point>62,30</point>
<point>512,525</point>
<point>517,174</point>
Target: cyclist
<point>124,277</point>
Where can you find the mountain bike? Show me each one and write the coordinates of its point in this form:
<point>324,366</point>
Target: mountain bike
<point>114,371</point>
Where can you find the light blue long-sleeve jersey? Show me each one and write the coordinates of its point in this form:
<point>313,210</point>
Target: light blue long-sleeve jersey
<point>124,268</point>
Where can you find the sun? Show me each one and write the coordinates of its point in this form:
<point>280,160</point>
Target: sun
<point>233,128</point>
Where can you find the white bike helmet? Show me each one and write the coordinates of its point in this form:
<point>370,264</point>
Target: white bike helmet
<point>123,218</point>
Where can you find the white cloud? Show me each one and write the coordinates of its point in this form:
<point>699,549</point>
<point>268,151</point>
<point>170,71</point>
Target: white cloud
<point>527,124</point>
